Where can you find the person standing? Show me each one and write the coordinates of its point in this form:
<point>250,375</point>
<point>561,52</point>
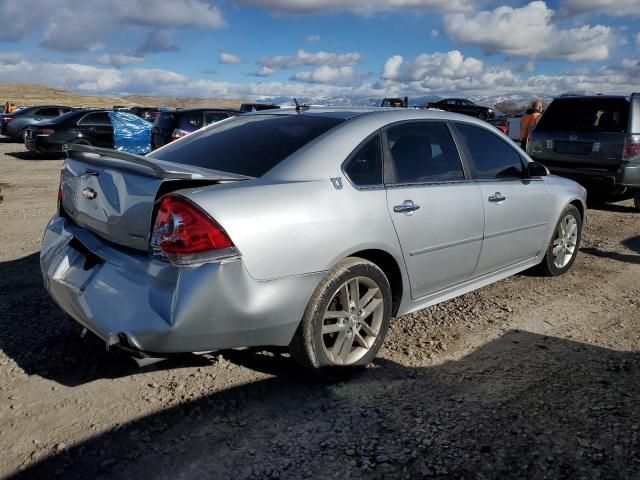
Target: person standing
<point>529,121</point>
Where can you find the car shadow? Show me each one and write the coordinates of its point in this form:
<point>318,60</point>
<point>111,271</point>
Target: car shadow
<point>29,155</point>
<point>42,340</point>
<point>610,206</point>
<point>521,406</point>
<point>632,243</point>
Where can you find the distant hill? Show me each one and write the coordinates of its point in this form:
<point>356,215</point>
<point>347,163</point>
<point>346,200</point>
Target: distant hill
<point>24,94</point>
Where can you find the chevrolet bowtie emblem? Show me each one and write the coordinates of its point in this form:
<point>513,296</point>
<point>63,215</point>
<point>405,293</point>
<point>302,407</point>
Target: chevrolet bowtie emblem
<point>89,193</point>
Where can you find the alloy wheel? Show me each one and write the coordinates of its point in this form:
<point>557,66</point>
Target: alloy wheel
<point>352,320</point>
<point>564,245</point>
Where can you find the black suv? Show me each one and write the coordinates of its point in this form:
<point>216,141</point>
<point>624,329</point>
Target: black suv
<point>594,140</point>
<point>464,106</point>
<point>14,125</point>
<point>171,125</point>
<point>86,127</point>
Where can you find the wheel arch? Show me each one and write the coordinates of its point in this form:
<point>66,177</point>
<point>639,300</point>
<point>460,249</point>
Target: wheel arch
<point>390,267</point>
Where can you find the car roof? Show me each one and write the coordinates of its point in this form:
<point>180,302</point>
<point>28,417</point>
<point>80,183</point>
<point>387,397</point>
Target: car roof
<point>201,109</point>
<point>381,114</point>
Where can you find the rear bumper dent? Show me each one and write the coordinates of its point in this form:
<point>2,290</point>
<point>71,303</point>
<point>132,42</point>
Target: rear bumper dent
<point>162,309</point>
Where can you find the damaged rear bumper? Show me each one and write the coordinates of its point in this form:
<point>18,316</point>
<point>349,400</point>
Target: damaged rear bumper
<point>140,303</point>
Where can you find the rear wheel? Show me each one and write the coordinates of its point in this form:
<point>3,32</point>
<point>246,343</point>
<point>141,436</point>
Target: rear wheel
<point>81,141</point>
<point>23,134</point>
<point>564,246</point>
<point>346,320</point>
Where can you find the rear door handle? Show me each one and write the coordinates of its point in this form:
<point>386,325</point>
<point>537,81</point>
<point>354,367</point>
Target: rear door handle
<point>407,207</point>
<point>497,197</point>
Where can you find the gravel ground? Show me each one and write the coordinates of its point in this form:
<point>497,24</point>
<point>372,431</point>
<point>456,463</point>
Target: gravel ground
<point>528,378</point>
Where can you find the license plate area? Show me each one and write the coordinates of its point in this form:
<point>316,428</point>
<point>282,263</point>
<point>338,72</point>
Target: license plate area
<point>77,266</point>
<point>576,148</point>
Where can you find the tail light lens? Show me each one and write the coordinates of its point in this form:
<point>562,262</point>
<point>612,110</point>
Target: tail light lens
<point>631,147</point>
<point>44,132</point>
<point>186,236</point>
<point>178,133</point>
<point>6,120</point>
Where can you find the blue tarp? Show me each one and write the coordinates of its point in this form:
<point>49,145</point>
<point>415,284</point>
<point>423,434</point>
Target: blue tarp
<point>130,133</point>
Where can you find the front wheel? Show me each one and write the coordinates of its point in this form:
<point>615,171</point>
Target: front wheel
<point>564,246</point>
<point>346,320</point>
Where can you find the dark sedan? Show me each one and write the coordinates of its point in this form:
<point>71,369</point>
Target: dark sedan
<point>14,125</point>
<point>86,127</point>
<point>171,125</point>
<point>464,106</point>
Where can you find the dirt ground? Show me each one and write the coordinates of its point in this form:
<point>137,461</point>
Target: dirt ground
<point>528,378</point>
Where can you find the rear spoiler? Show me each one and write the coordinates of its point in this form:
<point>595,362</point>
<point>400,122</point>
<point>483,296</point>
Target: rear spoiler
<point>106,156</point>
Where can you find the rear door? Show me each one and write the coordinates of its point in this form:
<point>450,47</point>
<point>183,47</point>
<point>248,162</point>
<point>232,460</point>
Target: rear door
<point>436,209</point>
<point>97,128</point>
<point>582,133</point>
<point>46,113</point>
<point>516,209</point>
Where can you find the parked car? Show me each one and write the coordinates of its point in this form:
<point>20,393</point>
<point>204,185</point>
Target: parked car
<point>257,107</point>
<point>464,106</point>
<point>171,125</point>
<point>501,123</point>
<point>15,124</point>
<point>280,228</point>
<point>147,113</point>
<point>395,102</point>
<point>90,127</point>
<point>594,140</point>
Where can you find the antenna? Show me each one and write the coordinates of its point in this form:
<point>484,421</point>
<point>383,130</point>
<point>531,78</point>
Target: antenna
<point>300,108</point>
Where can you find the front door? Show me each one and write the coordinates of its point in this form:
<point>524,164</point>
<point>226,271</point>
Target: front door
<point>437,212</point>
<point>516,208</point>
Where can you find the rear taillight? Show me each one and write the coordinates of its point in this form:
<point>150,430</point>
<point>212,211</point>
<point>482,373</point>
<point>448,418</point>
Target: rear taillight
<point>6,120</point>
<point>186,236</point>
<point>44,132</point>
<point>631,147</point>
<point>178,133</point>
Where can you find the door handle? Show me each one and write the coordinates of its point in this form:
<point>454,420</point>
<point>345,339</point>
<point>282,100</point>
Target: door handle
<point>497,198</point>
<point>407,207</point>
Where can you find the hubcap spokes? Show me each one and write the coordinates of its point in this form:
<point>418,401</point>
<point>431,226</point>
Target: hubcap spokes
<point>564,245</point>
<point>352,321</point>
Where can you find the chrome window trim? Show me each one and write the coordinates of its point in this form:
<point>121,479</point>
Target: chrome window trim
<point>93,124</point>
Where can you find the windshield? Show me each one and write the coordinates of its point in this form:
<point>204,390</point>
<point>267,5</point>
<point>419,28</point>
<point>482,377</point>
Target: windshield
<point>586,115</point>
<point>247,145</point>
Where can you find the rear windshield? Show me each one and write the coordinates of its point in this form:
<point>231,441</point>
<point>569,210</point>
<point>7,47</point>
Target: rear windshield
<point>250,145</point>
<point>586,115</point>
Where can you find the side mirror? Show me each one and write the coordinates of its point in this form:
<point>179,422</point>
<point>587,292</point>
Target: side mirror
<point>535,169</point>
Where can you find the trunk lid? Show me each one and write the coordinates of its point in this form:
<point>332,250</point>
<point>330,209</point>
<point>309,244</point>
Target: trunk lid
<point>113,194</point>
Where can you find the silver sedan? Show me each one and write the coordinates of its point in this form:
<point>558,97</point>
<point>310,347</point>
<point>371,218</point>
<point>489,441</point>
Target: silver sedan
<point>308,229</point>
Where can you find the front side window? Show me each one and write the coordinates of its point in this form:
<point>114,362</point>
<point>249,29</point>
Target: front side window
<point>98,118</point>
<point>423,152</point>
<point>490,156</point>
<point>364,167</point>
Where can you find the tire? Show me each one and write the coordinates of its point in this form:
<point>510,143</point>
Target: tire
<point>636,200</point>
<point>23,135</point>
<point>330,355</point>
<point>557,264</point>
<point>483,115</point>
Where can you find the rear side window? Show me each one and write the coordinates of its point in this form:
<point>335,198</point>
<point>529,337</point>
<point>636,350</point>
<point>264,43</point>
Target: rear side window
<point>48,112</point>
<point>364,167</point>
<point>195,119</point>
<point>490,156</point>
<point>586,115</point>
<point>423,152</point>
<point>250,145</point>
<point>98,118</point>
<point>213,117</point>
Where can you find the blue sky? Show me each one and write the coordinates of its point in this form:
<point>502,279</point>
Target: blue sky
<point>255,48</point>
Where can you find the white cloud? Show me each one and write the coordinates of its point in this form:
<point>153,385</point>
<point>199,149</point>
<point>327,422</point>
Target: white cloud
<point>263,72</point>
<point>229,59</point>
<point>119,59</point>
<point>328,75</point>
<point>451,65</point>
<point>616,8</point>
<point>158,40</point>
<point>529,32</point>
<point>76,25</point>
<point>306,58</point>
<point>312,39</point>
<point>365,7</point>
<point>637,37</point>
<point>435,33</point>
